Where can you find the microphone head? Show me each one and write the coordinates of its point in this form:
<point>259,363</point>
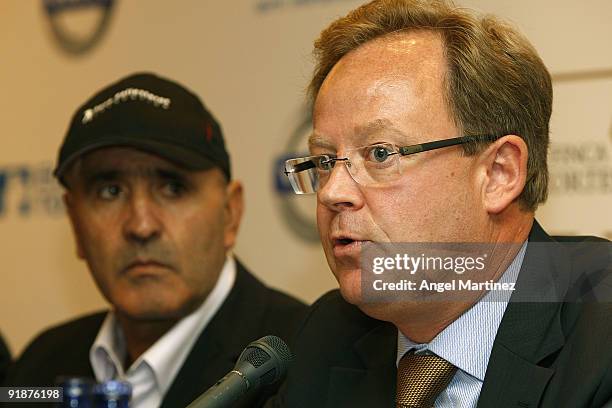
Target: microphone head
<point>265,361</point>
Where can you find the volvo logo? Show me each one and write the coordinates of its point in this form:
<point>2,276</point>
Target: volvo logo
<point>78,36</point>
<point>298,212</point>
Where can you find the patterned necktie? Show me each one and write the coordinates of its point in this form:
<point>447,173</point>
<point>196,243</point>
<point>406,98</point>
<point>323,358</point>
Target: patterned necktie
<point>421,378</point>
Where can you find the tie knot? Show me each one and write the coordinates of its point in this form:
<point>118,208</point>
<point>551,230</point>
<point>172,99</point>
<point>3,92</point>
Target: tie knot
<point>421,378</point>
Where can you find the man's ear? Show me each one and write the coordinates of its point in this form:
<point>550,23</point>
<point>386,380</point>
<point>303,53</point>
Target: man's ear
<point>69,204</point>
<point>505,163</point>
<point>234,206</point>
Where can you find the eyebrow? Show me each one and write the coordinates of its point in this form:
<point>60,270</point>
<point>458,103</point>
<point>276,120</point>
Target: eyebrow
<point>318,140</point>
<point>170,174</point>
<point>102,175</point>
<point>112,174</point>
<point>376,126</point>
<point>362,132</point>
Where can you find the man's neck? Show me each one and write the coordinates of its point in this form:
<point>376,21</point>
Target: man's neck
<point>421,322</point>
<point>141,335</point>
<point>424,330</point>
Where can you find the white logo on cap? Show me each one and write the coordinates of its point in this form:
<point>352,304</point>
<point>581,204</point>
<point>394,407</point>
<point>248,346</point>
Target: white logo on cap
<point>123,96</point>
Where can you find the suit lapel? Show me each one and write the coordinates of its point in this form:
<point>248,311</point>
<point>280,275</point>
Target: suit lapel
<point>79,364</point>
<point>215,352</point>
<point>370,382</point>
<point>195,375</point>
<point>529,332</point>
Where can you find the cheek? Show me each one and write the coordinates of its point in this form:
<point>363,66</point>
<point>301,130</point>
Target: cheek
<point>409,210</point>
<point>433,207</point>
<point>198,236</point>
<point>98,252</point>
<point>199,243</point>
<point>324,219</point>
<point>393,213</point>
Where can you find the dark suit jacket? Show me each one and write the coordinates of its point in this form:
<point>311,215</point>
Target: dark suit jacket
<point>5,359</point>
<point>545,354</point>
<point>250,311</point>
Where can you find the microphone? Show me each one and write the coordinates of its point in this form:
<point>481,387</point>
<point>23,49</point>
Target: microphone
<point>262,362</point>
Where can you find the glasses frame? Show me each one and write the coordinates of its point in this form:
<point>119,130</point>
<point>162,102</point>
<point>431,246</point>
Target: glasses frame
<point>403,150</point>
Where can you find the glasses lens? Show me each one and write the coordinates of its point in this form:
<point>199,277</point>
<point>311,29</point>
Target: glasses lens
<point>378,164</point>
<point>303,173</point>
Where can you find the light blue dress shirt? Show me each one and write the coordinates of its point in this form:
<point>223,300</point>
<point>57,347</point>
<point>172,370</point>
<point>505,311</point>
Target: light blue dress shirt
<point>467,342</point>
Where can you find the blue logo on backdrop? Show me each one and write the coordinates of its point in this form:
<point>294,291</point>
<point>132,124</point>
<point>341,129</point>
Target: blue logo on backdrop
<point>27,190</point>
<point>68,40</point>
<point>296,212</point>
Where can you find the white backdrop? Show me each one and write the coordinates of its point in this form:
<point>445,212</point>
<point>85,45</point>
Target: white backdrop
<point>249,60</point>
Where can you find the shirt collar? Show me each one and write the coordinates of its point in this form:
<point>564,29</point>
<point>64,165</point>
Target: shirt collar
<point>166,356</point>
<point>467,342</point>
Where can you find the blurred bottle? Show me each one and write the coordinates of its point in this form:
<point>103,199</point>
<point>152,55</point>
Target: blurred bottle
<point>77,392</point>
<point>112,394</point>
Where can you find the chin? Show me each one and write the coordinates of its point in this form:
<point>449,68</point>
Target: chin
<point>350,285</point>
<point>153,310</point>
<point>351,291</point>
<point>149,314</point>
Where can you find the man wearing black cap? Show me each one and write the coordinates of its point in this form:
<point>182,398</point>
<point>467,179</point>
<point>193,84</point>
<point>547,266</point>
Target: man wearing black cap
<point>154,212</point>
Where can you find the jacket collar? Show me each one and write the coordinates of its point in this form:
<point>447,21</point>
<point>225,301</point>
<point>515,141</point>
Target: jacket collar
<point>530,331</point>
<point>215,348</point>
<point>370,382</point>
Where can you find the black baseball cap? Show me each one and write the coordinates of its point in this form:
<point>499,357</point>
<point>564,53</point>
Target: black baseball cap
<point>149,113</point>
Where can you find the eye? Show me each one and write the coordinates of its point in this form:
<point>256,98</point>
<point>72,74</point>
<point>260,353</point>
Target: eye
<point>378,153</point>
<point>109,191</point>
<point>325,163</point>
<point>174,188</point>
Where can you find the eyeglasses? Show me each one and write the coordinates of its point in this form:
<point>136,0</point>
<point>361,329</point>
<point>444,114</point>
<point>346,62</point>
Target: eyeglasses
<point>370,166</point>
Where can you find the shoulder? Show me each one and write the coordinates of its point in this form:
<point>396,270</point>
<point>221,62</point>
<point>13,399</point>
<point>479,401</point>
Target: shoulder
<point>65,334</point>
<point>333,320</point>
<point>260,309</point>
<point>250,287</point>
<point>54,348</point>
<point>334,338</point>
<point>272,297</point>
<point>587,329</point>
<point>590,261</point>
<point>579,268</point>
<point>588,323</point>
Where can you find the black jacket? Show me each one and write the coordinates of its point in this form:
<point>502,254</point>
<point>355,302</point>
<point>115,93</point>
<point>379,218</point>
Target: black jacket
<point>546,354</point>
<point>5,359</point>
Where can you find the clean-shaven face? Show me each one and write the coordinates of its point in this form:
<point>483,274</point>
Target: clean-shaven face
<point>390,90</point>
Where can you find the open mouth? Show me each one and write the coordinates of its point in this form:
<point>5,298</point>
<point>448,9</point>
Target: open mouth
<point>343,241</point>
<point>344,247</point>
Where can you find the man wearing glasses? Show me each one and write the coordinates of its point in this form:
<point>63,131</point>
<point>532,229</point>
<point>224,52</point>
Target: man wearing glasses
<point>430,125</point>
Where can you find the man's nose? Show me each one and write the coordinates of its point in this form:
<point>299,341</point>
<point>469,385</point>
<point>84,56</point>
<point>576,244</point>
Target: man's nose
<point>341,191</point>
<point>142,224</point>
